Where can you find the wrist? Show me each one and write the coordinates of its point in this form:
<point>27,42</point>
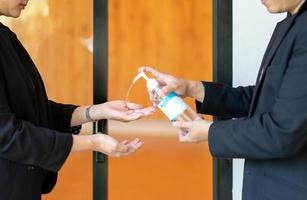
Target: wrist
<point>93,113</point>
<point>82,143</point>
<point>195,90</point>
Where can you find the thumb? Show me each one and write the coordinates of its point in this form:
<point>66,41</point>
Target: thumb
<point>182,124</point>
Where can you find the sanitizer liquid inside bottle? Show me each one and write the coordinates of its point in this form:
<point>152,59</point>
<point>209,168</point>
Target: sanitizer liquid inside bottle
<point>171,105</point>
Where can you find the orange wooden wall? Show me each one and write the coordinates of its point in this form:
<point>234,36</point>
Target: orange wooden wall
<point>174,36</point>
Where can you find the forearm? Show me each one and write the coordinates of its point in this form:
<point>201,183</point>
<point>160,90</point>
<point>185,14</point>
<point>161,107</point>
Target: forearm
<point>264,136</point>
<point>87,129</point>
<point>225,101</point>
<point>78,116</point>
<point>195,90</point>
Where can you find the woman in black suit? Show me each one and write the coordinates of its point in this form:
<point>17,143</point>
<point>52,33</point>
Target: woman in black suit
<point>36,134</point>
<point>270,131</point>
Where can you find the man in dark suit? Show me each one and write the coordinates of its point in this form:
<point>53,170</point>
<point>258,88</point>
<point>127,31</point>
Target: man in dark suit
<point>270,131</point>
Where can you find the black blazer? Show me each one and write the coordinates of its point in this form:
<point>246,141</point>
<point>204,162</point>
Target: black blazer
<point>271,129</point>
<point>34,142</point>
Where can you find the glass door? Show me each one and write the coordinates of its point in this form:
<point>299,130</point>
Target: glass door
<point>172,36</point>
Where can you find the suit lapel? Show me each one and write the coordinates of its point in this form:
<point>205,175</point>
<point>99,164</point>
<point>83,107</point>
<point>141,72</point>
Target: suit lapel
<point>267,52</point>
<point>280,32</point>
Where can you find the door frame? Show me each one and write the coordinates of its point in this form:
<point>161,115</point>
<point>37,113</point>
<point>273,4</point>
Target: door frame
<point>100,93</point>
<point>222,73</point>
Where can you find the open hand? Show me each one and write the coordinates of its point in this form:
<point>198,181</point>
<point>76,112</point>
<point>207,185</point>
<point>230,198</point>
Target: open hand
<point>108,145</point>
<point>120,110</point>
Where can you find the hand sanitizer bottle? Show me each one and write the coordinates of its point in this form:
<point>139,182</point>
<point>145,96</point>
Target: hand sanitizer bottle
<point>171,105</point>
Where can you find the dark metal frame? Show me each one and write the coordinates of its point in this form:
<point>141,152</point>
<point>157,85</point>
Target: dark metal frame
<point>100,161</point>
<point>222,73</point>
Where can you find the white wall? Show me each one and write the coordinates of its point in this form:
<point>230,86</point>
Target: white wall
<point>252,29</point>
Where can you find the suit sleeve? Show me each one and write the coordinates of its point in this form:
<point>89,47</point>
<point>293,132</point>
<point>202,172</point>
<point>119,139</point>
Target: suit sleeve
<point>61,114</point>
<point>281,132</point>
<point>224,101</point>
<point>23,142</point>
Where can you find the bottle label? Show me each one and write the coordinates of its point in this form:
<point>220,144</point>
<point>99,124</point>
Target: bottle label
<point>172,106</point>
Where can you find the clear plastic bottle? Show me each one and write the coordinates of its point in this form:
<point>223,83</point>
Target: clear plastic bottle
<point>171,105</point>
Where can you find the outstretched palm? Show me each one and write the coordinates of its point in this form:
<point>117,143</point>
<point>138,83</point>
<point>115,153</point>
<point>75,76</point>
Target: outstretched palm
<point>125,111</point>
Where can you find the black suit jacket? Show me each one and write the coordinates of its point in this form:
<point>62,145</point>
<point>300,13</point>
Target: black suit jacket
<point>34,142</point>
<point>271,129</point>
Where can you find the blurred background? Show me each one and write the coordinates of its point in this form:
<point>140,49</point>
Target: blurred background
<point>174,36</point>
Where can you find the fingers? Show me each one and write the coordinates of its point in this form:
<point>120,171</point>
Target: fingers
<point>138,113</point>
<point>197,131</point>
<point>184,128</point>
<point>158,75</point>
<point>183,136</point>
<point>124,142</point>
<point>121,148</point>
<point>154,72</point>
<point>169,82</point>
<point>129,112</point>
<point>133,106</point>
<point>132,117</point>
<point>149,110</point>
<point>167,89</point>
<point>182,125</point>
<point>136,143</point>
<point>111,147</point>
<point>151,95</point>
<point>131,147</point>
